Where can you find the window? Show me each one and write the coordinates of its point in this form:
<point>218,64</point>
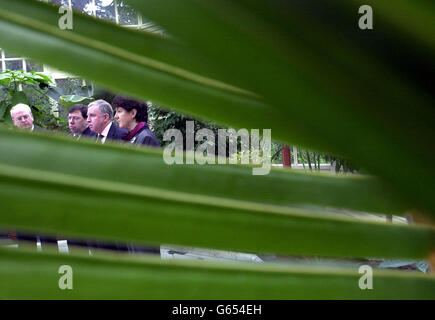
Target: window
<point>13,62</point>
<point>114,10</point>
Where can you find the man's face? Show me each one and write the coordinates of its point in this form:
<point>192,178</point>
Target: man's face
<point>77,124</point>
<point>22,119</point>
<point>97,121</point>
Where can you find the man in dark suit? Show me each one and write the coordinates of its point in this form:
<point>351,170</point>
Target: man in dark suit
<point>77,122</point>
<point>100,117</point>
<point>22,118</point>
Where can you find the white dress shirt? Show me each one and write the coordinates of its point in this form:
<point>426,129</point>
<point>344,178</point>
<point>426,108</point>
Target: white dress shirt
<point>105,132</point>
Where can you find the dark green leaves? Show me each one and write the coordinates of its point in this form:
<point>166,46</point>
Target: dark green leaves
<point>315,81</point>
<point>61,186</point>
<point>301,68</point>
<point>70,100</point>
<point>24,275</point>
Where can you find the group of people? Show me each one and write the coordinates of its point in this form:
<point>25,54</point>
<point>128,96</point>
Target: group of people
<point>95,121</point>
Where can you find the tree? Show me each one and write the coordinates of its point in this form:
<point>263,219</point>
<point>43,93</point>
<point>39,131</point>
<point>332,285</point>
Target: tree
<point>30,88</point>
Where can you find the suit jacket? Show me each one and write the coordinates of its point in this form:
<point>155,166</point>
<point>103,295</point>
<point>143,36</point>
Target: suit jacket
<point>39,129</point>
<point>146,137</point>
<point>89,132</point>
<point>116,133</point>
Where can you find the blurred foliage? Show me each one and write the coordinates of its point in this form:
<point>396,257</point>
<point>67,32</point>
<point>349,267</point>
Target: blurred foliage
<point>70,91</point>
<point>30,88</point>
<point>69,100</point>
<point>164,119</point>
<point>316,81</point>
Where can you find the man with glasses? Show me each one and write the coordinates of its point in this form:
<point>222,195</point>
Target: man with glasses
<point>22,118</point>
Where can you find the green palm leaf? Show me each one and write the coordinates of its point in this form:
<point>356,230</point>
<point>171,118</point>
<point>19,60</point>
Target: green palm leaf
<point>287,66</point>
<point>181,72</point>
<point>79,192</point>
<point>106,277</point>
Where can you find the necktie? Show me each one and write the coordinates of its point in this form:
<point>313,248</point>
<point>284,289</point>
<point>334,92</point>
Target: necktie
<point>100,138</point>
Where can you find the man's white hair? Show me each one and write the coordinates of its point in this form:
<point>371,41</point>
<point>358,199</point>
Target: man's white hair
<point>103,106</point>
<point>21,107</point>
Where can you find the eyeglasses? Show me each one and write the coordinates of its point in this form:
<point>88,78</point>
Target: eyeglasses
<point>23,118</point>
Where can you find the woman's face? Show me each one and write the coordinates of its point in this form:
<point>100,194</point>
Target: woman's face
<point>125,118</point>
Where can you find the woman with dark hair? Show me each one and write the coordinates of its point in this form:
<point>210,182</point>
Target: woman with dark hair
<point>132,115</point>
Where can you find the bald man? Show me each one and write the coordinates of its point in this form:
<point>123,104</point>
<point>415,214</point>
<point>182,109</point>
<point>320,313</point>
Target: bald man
<point>23,118</point>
